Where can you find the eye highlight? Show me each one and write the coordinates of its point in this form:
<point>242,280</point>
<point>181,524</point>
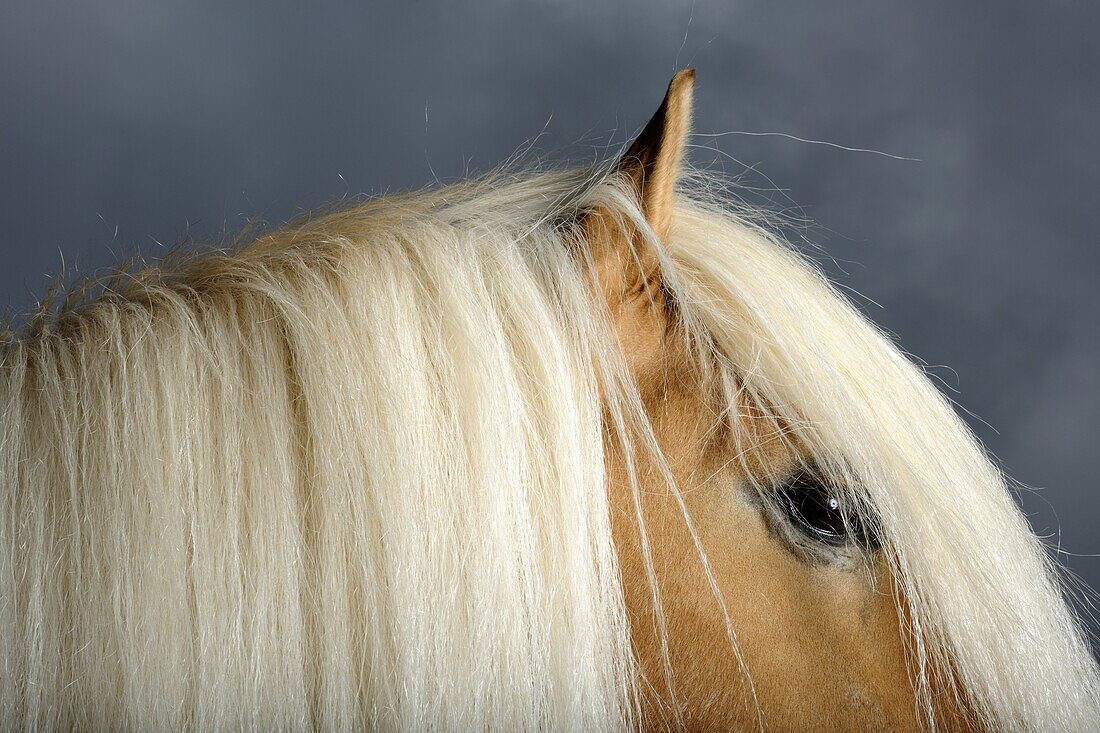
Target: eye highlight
<point>821,513</point>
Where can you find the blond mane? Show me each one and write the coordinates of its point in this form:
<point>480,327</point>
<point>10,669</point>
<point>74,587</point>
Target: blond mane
<point>352,474</point>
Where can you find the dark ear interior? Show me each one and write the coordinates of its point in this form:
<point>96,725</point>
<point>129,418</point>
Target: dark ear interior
<point>652,164</point>
<point>655,159</point>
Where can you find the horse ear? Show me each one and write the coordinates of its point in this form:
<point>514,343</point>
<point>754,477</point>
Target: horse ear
<point>655,159</point>
<point>652,165</point>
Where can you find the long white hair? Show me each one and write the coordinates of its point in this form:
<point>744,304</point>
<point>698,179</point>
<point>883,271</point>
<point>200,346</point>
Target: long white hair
<point>352,474</point>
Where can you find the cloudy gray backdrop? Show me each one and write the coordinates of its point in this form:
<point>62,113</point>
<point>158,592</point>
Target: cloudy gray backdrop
<point>126,124</point>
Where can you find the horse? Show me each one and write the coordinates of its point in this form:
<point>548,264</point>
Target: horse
<point>576,448</point>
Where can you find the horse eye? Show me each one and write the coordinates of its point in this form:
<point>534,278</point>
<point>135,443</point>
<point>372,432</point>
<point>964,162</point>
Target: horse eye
<point>820,512</point>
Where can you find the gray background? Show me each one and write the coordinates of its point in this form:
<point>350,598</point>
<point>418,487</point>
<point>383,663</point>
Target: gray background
<point>125,124</point>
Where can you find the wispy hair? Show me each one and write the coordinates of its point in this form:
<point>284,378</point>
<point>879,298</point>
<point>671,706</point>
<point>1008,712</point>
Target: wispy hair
<point>352,474</point>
